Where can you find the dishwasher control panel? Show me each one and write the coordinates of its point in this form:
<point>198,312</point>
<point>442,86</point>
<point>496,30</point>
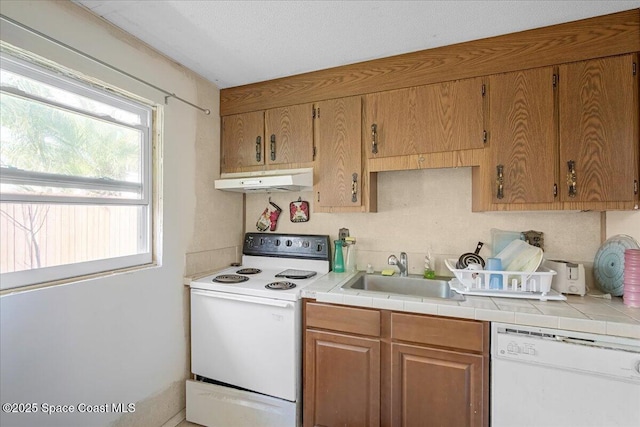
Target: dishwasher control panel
<point>521,344</point>
<point>517,348</point>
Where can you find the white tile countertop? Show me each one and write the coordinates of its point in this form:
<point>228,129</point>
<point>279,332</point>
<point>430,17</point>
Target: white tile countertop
<point>582,314</point>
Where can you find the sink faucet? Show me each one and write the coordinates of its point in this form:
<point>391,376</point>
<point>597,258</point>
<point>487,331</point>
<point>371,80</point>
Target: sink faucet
<point>402,264</point>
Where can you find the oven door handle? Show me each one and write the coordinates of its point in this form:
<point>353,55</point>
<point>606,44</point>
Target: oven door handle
<point>244,298</point>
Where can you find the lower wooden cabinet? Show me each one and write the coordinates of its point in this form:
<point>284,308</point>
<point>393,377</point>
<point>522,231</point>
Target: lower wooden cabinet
<point>342,385</point>
<point>367,367</point>
<point>436,387</point>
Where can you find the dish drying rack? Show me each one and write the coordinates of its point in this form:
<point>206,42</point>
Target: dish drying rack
<point>516,284</point>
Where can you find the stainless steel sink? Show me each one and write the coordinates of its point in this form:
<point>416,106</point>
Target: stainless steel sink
<point>410,285</point>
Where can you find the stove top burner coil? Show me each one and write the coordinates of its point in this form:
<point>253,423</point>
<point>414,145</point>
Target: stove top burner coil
<point>230,278</point>
<point>249,271</point>
<point>277,286</point>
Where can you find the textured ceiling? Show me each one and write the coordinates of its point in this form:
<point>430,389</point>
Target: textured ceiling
<point>233,43</point>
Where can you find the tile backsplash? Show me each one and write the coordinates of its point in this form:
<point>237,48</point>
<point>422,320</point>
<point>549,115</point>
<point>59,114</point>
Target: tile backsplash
<point>430,210</point>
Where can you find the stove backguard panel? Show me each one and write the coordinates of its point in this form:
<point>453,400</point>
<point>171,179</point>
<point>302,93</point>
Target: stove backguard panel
<point>303,246</point>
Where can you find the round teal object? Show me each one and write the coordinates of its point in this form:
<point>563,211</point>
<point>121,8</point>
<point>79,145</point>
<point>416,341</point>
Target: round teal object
<point>608,266</point>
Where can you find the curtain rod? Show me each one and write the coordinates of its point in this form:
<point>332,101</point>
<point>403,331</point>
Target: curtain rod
<point>86,55</point>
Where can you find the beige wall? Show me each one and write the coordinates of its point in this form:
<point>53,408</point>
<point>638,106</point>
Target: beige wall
<point>624,222</point>
<point>217,222</point>
<point>423,209</point>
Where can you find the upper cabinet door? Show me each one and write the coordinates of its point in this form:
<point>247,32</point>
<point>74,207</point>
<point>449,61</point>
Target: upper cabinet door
<point>289,133</point>
<point>242,140</point>
<point>454,115</point>
<point>339,178</point>
<point>425,119</point>
<point>394,120</point>
<point>599,130</point>
<point>522,136</point>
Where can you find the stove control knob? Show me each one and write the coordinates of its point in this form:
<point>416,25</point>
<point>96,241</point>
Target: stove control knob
<point>277,242</point>
<point>305,244</point>
<point>289,243</point>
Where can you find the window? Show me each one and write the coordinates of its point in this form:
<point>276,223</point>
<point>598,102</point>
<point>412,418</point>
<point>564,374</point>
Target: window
<point>75,177</point>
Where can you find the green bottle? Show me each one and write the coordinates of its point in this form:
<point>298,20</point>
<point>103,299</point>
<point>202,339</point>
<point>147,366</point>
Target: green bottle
<point>338,259</point>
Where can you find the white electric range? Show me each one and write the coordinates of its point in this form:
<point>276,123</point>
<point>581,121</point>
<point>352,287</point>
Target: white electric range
<point>246,328</point>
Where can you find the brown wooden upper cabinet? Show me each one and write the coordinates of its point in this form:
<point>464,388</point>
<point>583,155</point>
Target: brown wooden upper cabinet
<point>522,136</point>
<point>339,159</point>
<point>273,137</point>
<point>439,117</point>
<point>568,134</point>
<point>598,101</point>
<point>289,134</point>
<point>242,140</point>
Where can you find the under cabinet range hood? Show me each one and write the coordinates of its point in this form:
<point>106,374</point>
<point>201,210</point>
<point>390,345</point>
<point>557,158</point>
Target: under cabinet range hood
<point>266,181</point>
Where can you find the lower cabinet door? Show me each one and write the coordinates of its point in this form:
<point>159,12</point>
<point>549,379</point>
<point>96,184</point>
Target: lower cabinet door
<point>432,387</point>
<point>342,380</point>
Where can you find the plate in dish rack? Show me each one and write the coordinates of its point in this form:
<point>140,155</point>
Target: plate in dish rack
<point>608,266</point>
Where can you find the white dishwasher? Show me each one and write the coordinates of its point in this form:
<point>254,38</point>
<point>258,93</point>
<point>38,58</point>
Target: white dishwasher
<point>548,377</point>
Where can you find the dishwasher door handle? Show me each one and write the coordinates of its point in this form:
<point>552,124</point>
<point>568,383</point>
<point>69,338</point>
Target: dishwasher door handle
<point>243,298</point>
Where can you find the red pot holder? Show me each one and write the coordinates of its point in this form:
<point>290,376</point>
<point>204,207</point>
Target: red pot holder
<point>299,211</point>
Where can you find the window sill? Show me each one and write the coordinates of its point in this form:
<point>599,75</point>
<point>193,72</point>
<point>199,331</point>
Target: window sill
<point>77,279</point>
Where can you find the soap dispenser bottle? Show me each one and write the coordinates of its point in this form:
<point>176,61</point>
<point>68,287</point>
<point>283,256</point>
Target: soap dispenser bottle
<point>429,273</point>
<point>351,255</point>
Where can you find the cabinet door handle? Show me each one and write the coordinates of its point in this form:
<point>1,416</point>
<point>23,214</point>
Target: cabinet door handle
<point>273,147</point>
<point>354,187</point>
<point>259,149</point>
<point>572,178</point>
<point>374,138</point>
<point>500,181</point>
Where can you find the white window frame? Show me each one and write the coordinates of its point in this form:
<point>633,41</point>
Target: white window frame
<point>74,83</point>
